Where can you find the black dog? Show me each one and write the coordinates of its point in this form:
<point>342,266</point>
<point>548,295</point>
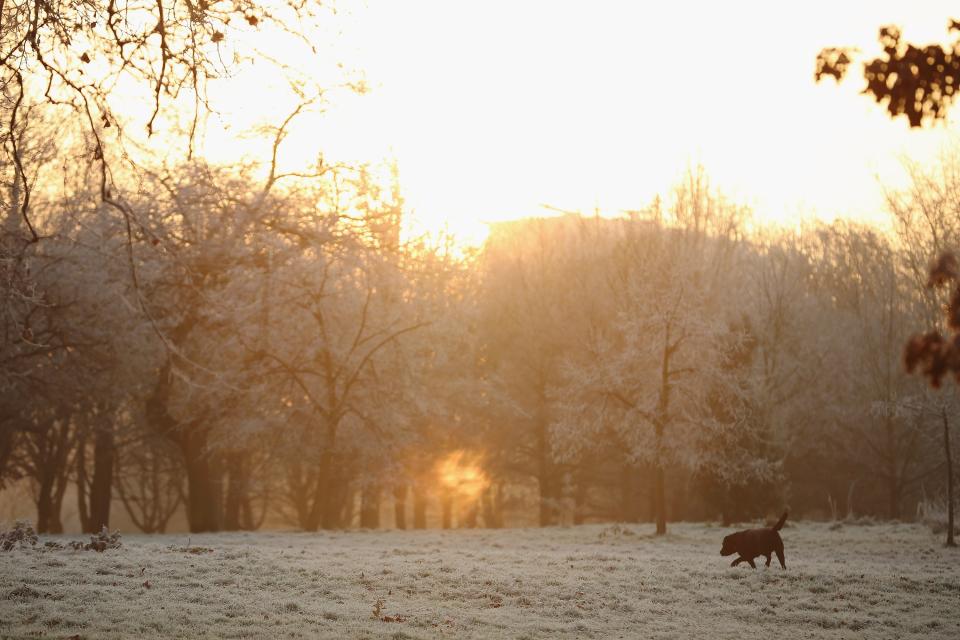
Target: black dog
<point>755,542</point>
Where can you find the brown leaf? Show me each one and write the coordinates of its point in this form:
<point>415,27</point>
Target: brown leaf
<point>217,37</point>
<point>85,57</point>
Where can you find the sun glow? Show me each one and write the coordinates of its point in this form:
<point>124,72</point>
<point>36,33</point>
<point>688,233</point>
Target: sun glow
<point>460,473</point>
<point>494,110</point>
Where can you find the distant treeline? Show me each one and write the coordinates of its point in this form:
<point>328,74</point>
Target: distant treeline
<point>250,355</point>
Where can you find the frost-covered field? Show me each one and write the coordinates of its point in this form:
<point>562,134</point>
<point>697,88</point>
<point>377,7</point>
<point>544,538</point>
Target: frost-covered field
<point>880,581</point>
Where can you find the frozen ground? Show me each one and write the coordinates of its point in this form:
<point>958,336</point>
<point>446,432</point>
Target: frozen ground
<point>879,581</point>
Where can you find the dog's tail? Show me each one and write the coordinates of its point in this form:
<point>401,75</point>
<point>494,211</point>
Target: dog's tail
<point>780,522</point>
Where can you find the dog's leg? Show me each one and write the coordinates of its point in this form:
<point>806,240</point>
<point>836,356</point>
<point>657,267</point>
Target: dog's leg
<point>750,560</point>
<point>779,551</point>
<point>736,562</point>
<point>768,559</point>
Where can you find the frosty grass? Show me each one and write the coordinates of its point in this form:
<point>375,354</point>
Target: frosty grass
<point>595,581</point>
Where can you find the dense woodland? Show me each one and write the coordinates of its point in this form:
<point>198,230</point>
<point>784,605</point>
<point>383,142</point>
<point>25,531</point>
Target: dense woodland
<point>287,357</point>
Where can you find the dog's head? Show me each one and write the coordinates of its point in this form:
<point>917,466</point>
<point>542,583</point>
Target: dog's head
<point>729,545</point>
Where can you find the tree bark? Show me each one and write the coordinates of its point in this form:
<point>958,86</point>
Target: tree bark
<point>204,502</point>
<point>48,507</point>
<point>203,494</point>
<point>101,490</point>
<point>54,442</point>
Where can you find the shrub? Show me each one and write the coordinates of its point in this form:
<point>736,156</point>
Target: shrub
<point>21,535</point>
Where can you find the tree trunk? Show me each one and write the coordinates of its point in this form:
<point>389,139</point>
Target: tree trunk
<point>492,518</point>
<point>48,509</point>
<point>203,494</point>
<point>419,508</point>
<point>893,480</point>
<point>94,496</point>
<point>662,417</point>
<point>237,490</point>
<point>630,495</point>
<point>83,485</point>
<point>54,444</point>
<point>659,501</point>
<point>7,434</point>
<point>946,448</point>
<point>370,507</point>
<point>347,504</point>
<point>400,506</point>
<point>101,490</point>
<point>337,503</point>
<point>548,483</point>
<point>330,493</point>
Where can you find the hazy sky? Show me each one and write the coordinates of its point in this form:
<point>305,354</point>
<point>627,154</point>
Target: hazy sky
<point>495,108</point>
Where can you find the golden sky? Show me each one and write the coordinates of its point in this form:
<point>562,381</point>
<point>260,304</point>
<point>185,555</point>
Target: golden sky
<point>494,109</point>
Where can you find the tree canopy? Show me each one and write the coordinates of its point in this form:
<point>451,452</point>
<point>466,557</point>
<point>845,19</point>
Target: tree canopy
<point>104,65</point>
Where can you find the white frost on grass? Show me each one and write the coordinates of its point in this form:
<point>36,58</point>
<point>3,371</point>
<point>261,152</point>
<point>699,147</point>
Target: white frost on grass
<point>879,581</point>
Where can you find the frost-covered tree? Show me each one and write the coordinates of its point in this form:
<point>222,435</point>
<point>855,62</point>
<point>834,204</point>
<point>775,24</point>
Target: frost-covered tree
<point>655,374</point>
<point>333,341</point>
<point>859,287</point>
<point>87,61</point>
<point>527,311</point>
<point>650,371</point>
